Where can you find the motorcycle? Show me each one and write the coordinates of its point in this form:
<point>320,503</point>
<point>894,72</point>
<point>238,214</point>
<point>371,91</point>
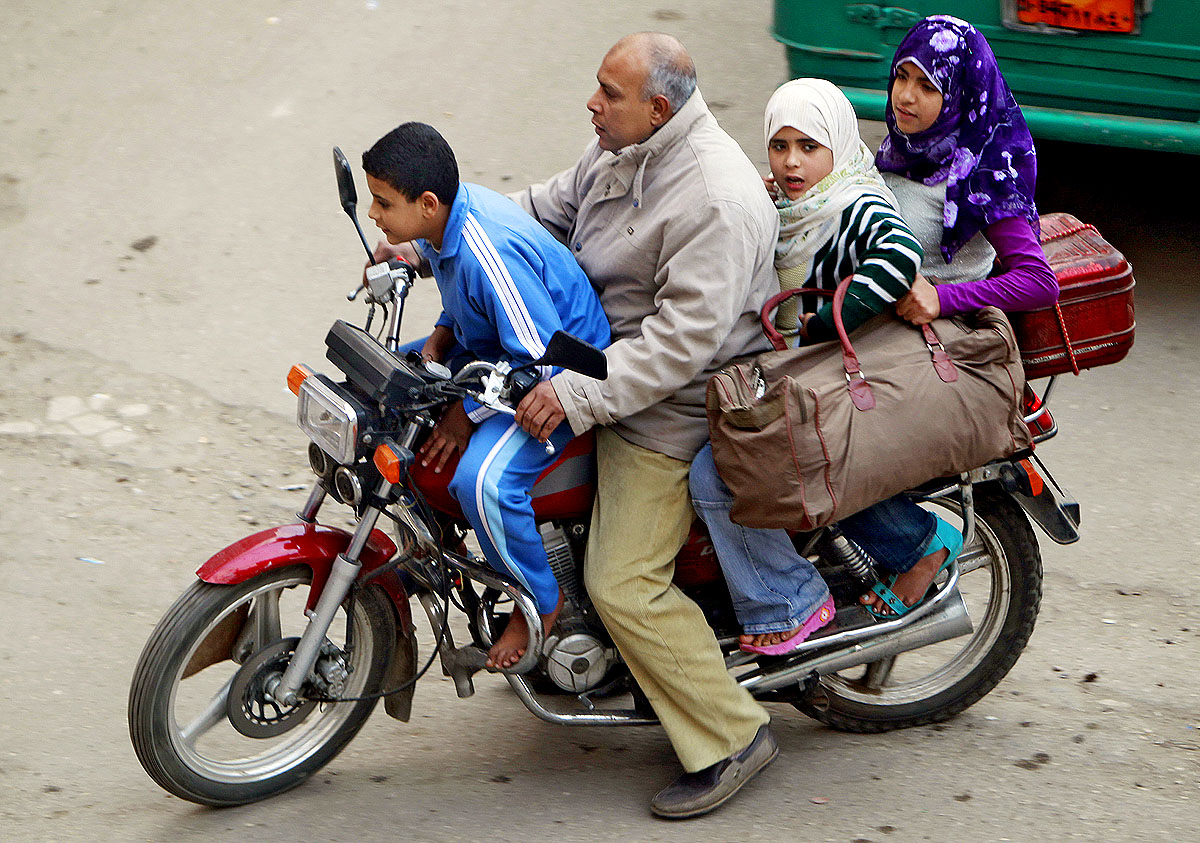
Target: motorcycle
<point>273,659</point>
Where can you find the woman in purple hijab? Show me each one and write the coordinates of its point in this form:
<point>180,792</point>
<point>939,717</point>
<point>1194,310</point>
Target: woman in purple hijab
<point>960,160</point>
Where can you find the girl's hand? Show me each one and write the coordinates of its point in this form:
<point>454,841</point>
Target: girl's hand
<point>769,184</point>
<point>804,320</point>
<point>452,434</point>
<point>920,305</point>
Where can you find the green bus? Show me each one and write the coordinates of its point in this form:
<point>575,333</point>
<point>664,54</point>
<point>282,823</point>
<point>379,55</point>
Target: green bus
<point>1111,72</point>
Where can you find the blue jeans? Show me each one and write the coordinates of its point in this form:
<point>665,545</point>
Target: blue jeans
<point>895,532</point>
<point>774,588</point>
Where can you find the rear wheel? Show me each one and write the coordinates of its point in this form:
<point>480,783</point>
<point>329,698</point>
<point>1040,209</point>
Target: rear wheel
<point>200,719</point>
<point>1001,582</point>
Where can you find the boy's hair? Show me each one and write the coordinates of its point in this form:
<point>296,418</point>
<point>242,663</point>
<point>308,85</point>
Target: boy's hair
<point>414,158</point>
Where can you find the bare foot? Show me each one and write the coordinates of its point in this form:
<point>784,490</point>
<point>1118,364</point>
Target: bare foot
<point>910,586</point>
<point>766,639</point>
<point>512,643</point>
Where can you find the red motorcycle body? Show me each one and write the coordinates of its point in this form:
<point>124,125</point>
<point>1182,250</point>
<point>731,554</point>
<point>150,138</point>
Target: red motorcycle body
<point>564,491</point>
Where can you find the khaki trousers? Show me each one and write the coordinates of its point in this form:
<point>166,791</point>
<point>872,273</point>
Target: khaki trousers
<point>640,520</point>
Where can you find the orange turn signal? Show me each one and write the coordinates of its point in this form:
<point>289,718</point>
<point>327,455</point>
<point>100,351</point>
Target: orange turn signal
<point>297,376</point>
<point>388,464</point>
<point>1036,484</point>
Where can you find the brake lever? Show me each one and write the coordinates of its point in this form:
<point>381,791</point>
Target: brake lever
<point>493,384</point>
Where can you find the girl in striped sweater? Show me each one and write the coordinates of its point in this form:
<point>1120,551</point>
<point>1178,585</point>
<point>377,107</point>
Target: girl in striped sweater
<point>837,218</point>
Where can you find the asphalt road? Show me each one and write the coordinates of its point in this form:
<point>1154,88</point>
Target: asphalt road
<point>170,243</point>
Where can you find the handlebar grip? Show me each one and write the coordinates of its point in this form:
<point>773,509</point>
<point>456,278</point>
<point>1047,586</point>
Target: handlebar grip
<point>521,382</point>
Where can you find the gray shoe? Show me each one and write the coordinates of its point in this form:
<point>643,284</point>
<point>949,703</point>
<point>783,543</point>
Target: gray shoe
<point>693,794</point>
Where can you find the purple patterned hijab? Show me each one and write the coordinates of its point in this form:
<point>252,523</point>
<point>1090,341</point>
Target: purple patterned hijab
<point>979,144</point>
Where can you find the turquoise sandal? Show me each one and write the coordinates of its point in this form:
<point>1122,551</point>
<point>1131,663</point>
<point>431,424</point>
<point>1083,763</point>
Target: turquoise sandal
<point>947,536</point>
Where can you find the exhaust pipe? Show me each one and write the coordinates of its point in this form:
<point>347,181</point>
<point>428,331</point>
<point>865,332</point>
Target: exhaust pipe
<point>948,620</point>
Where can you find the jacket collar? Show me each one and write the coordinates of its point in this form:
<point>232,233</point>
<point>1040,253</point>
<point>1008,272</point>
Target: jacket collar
<point>452,236</point>
<point>637,156</point>
<point>677,127</point>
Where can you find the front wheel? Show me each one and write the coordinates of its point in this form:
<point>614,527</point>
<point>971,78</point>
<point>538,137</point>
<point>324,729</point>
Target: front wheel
<point>199,719</point>
<point>1001,581</point>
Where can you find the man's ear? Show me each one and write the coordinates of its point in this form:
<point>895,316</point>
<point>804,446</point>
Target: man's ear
<point>429,203</point>
<point>660,110</point>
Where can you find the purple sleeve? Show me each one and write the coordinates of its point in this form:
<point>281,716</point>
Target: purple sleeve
<point>1025,281</point>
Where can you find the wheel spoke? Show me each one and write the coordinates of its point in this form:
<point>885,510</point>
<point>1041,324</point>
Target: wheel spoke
<point>878,673</point>
<point>213,714</point>
<point>940,679</point>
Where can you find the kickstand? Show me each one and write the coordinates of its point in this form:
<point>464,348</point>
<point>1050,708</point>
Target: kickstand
<point>459,663</point>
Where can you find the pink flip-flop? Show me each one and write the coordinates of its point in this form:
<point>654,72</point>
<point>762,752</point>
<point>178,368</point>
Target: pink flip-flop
<point>815,621</point>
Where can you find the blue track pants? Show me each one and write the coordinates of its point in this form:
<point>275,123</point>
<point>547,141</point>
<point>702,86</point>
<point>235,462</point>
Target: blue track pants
<point>492,484</point>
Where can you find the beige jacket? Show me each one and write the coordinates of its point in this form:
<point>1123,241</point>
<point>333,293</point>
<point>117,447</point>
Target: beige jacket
<point>678,236</point>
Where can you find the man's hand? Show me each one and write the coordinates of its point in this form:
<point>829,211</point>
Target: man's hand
<point>920,305</point>
<point>452,434</point>
<point>540,411</point>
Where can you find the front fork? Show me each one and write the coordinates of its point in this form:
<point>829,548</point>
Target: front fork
<point>342,574</point>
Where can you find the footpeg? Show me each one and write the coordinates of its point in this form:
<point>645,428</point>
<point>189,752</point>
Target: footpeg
<point>460,665</point>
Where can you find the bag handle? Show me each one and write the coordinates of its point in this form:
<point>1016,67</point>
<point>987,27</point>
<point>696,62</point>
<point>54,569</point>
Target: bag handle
<point>768,323</point>
<point>1044,238</point>
<point>856,381</point>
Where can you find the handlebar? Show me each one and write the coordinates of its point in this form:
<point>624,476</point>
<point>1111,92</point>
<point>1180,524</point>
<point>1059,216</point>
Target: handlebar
<point>502,387</point>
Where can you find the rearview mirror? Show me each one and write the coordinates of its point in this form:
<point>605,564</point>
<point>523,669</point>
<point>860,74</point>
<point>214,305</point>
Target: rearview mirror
<point>349,197</point>
<point>572,353</point>
<point>345,182</point>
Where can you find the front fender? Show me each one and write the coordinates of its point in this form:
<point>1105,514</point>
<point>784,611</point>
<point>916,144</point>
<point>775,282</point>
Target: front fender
<point>314,545</point>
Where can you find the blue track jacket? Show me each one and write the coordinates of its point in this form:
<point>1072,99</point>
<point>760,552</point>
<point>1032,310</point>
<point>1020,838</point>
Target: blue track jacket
<point>507,284</point>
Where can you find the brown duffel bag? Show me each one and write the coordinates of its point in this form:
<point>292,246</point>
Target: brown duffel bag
<point>806,436</point>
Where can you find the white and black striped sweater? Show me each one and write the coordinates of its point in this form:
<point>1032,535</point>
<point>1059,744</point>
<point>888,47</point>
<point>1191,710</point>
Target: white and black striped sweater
<point>873,244</point>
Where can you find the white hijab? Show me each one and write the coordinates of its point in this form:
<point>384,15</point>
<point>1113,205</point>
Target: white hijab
<point>818,109</point>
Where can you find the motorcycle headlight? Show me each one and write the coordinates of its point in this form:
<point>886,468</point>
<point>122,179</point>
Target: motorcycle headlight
<point>330,418</point>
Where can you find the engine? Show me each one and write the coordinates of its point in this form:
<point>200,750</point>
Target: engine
<point>577,657</point>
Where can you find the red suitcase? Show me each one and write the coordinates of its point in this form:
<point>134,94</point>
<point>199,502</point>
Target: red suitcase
<point>1092,323</point>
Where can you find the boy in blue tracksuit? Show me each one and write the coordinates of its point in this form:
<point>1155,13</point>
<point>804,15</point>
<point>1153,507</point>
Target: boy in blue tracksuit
<point>507,285</point>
